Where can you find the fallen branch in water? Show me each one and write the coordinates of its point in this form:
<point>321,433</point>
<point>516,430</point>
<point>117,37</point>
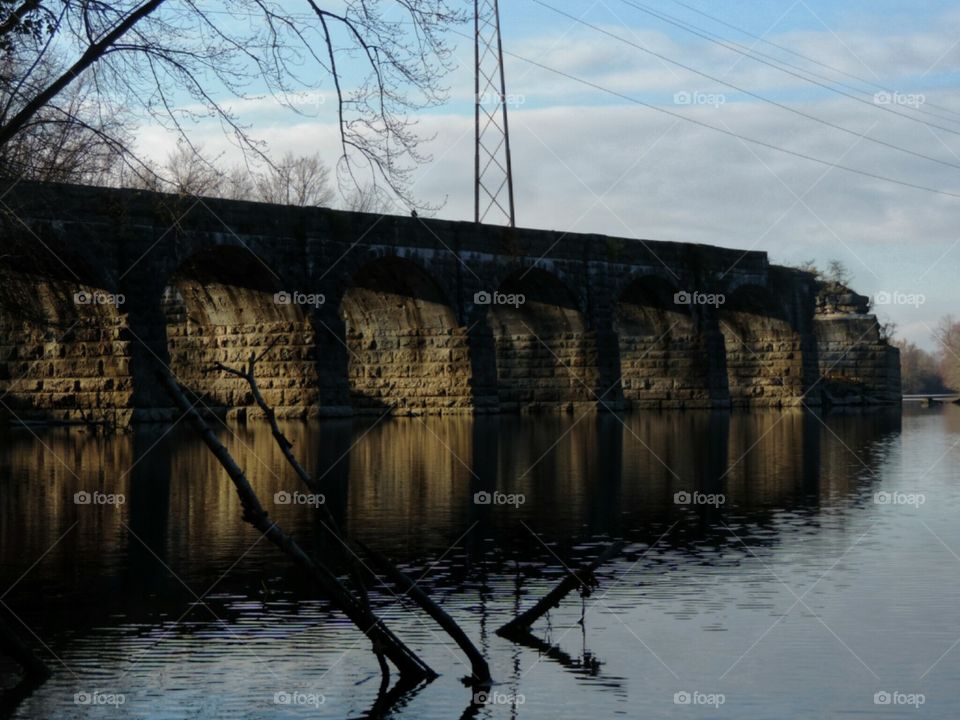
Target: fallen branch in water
<point>479,667</point>
<point>385,643</point>
<point>407,586</point>
<point>286,447</point>
<point>583,579</point>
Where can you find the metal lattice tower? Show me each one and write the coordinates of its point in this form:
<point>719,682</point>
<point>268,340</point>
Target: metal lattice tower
<point>493,192</point>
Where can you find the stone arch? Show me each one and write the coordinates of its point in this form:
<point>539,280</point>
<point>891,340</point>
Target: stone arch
<point>65,350</point>
<point>406,350</point>
<point>546,355</point>
<point>664,356</point>
<point>764,352</point>
<point>221,304</point>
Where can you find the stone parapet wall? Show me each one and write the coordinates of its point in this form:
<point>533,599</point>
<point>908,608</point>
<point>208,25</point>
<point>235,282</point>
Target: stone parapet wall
<point>407,317</point>
<point>286,374</point>
<point>665,374</point>
<point>857,367</point>
<point>62,360</point>
<point>410,372</point>
<point>546,372</point>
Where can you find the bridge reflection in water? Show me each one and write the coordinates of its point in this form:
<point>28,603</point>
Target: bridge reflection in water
<point>410,482</point>
<point>118,594</point>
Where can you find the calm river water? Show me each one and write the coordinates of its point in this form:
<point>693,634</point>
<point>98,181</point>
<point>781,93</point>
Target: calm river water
<point>826,584</point>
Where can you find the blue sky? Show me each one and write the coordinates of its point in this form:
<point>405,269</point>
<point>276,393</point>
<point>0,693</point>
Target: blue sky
<point>589,162</point>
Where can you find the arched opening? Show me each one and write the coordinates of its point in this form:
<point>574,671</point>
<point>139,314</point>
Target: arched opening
<point>406,350</point>
<point>546,357</point>
<point>764,352</point>
<point>664,361</point>
<point>65,353</point>
<point>220,306</point>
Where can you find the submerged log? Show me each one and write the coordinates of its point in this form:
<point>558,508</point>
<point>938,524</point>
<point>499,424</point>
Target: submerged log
<point>479,667</point>
<point>409,587</point>
<point>385,643</point>
<point>249,374</point>
<point>582,579</point>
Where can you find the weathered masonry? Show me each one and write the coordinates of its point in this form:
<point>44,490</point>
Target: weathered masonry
<point>370,314</point>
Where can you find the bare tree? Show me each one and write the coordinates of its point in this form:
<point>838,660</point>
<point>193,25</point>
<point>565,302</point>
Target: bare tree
<point>73,138</point>
<point>920,371</point>
<point>368,199</point>
<point>189,173</point>
<point>838,273</point>
<point>303,181</point>
<point>948,335</point>
<point>178,61</point>
<point>238,183</point>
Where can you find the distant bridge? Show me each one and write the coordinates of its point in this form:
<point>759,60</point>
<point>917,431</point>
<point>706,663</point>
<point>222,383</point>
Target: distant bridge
<point>934,399</point>
<point>370,313</point>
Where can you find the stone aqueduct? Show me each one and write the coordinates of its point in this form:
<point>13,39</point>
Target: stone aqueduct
<point>403,325</point>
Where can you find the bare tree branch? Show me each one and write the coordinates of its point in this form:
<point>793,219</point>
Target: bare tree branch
<point>409,665</point>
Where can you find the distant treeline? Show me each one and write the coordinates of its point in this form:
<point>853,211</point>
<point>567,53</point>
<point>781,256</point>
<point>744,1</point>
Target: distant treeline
<point>932,372</point>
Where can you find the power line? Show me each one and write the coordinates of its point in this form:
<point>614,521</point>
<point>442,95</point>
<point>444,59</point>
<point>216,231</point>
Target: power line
<point>756,55</point>
<point>785,49</point>
<point>724,131</point>
<point>750,93</point>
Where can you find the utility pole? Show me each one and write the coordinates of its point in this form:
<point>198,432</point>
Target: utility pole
<point>493,188</point>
